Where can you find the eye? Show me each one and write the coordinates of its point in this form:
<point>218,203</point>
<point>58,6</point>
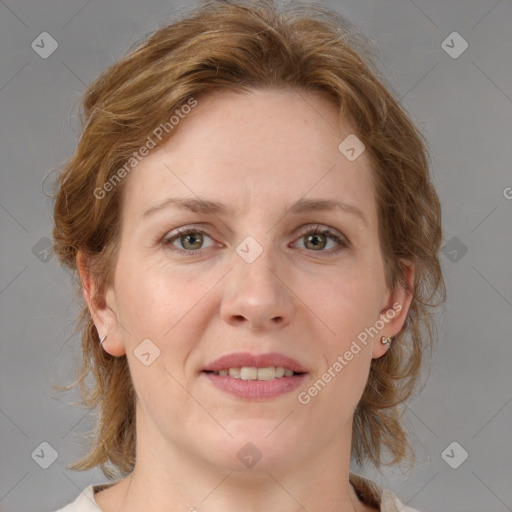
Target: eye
<point>190,240</point>
<point>316,239</point>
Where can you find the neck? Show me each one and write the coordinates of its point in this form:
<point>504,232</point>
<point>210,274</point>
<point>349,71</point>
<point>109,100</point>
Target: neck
<point>194,483</point>
<point>263,491</point>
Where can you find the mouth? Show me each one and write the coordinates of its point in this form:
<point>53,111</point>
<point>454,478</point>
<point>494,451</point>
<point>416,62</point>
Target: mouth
<point>255,373</point>
<point>255,377</point>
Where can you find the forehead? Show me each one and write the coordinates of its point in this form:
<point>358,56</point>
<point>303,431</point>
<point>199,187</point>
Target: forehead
<point>252,151</point>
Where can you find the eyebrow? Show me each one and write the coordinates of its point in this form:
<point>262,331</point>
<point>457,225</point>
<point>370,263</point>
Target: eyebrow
<point>213,207</point>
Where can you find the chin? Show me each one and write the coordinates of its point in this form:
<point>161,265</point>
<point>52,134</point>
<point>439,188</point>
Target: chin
<point>256,445</point>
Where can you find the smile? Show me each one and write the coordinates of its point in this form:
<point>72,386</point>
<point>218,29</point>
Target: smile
<point>253,373</point>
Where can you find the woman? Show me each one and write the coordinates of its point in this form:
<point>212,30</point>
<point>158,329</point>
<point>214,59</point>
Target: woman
<point>251,216</point>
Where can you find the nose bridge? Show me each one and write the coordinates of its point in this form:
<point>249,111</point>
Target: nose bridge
<point>256,263</point>
<point>255,292</point>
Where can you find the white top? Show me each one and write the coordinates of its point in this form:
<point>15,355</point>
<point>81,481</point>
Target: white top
<point>369,492</point>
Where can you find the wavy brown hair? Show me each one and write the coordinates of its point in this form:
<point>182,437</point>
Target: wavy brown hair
<point>243,46</point>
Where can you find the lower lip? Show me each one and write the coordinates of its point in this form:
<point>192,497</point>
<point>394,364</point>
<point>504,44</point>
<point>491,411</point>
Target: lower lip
<point>255,389</point>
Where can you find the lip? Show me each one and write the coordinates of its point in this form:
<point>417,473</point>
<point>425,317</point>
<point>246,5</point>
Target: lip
<point>255,389</point>
<point>240,359</point>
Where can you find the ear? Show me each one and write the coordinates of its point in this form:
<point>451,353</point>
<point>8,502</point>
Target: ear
<point>102,308</point>
<point>395,309</point>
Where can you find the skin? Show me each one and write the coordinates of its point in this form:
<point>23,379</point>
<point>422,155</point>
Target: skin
<point>257,153</point>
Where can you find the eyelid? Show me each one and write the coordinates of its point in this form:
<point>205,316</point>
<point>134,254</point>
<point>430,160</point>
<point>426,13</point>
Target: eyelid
<point>333,234</point>
<point>177,233</point>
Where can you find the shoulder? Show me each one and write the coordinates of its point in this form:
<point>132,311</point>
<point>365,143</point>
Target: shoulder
<point>83,503</point>
<point>373,495</point>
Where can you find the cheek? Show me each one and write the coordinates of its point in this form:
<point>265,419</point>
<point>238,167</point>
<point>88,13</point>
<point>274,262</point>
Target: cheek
<point>153,306</point>
<point>346,303</point>
<point>349,307</point>
<point>169,307</point>
<point>148,299</point>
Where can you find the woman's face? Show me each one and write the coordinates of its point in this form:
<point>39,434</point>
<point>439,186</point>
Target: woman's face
<point>250,278</point>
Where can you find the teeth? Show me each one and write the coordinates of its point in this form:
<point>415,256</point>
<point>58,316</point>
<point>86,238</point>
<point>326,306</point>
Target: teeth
<point>247,373</point>
<point>252,373</point>
<point>279,372</point>
<point>234,372</point>
<point>266,373</point>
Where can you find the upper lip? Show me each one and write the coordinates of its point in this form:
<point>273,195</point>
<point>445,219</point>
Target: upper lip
<point>240,359</point>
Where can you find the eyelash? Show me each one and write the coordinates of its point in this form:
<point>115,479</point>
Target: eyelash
<point>341,241</point>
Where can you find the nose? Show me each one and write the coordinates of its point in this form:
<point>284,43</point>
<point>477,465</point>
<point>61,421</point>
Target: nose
<point>257,295</point>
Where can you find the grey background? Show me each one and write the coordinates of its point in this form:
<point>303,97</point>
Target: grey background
<point>463,105</point>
